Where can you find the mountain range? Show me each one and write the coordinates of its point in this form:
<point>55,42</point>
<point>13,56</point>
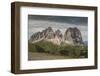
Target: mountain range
<point>72,36</point>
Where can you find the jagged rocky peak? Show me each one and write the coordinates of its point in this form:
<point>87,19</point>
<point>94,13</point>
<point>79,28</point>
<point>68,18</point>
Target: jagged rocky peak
<point>45,34</point>
<point>35,36</point>
<point>49,29</point>
<point>48,33</point>
<point>58,33</point>
<point>73,36</point>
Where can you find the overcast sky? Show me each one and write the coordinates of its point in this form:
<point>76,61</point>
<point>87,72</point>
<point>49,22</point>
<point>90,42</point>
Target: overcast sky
<point>38,23</point>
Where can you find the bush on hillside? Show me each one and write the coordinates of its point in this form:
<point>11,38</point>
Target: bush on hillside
<point>66,50</point>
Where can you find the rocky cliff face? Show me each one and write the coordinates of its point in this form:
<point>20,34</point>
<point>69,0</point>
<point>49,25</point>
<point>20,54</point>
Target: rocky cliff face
<point>71,36</point>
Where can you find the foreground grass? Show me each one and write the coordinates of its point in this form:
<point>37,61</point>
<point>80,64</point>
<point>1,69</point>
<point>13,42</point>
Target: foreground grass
<point>45,56</point>
<point>49,50</point>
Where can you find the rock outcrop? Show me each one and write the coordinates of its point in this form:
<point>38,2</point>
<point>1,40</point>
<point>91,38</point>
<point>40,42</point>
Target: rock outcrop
<point>71,36</point>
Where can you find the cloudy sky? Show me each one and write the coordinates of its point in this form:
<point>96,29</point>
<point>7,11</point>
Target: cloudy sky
<point>38,23</point>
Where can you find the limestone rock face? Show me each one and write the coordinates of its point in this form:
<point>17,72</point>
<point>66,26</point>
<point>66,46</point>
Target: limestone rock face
<point>48,33</point>
<point>71,36</point>
<point>58,37</point>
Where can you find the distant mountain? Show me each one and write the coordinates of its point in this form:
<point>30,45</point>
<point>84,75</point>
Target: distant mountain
<point>71,36</point>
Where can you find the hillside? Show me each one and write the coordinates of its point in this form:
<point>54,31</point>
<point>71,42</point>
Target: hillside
<point>58,50</point>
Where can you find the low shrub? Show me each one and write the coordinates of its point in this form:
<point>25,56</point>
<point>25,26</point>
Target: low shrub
<point>66,50</point>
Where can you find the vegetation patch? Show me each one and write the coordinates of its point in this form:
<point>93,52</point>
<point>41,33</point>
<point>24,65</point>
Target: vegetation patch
<point>64,50</point>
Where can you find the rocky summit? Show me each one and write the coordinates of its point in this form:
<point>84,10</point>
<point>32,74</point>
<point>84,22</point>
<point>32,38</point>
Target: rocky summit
<point>71,36</point>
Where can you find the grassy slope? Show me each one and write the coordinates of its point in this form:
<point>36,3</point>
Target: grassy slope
<point>64,50</point>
